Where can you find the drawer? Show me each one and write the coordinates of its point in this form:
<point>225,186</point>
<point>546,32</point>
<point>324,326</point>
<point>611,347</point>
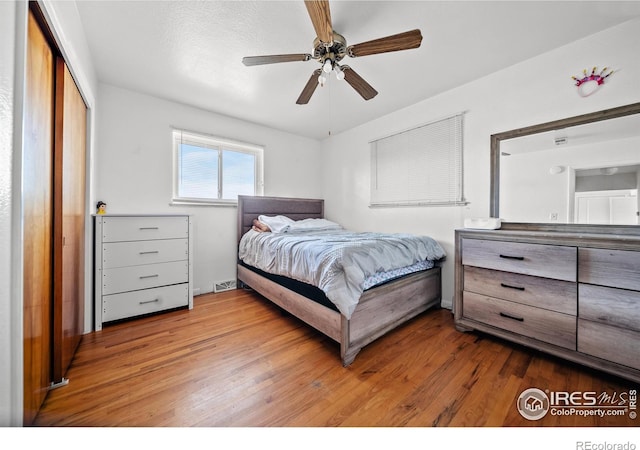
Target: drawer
<point>122,279</point>
<point>611,343</point>
<point>616,307</point>
<point>616,268</point>
<point>541,324</point>
<point>555,295</point>
<point>121,254</point>
<point>115,229</point>
<point>119,306</point>
<point>549,261</point>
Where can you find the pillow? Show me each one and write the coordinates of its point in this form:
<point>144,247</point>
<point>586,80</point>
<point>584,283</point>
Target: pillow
<point>314,224</point>
<point>277,224</point>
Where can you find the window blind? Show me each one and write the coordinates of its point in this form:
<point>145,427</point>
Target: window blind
<point>420,166</point>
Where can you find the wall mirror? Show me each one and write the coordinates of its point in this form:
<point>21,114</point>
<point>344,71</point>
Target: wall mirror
<point>579,170</point>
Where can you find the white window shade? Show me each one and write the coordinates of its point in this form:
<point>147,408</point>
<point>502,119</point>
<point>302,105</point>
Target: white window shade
<point>421,166</point>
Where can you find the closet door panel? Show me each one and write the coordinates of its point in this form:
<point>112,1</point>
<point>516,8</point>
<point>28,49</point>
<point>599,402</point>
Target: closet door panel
<point>69,220</point>
<point>37,217</point>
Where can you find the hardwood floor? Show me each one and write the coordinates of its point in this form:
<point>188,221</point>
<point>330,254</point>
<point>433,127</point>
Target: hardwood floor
<point>236,360</point>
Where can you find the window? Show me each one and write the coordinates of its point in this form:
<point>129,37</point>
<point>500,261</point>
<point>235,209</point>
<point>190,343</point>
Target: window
<point>211,170</point>
<point>421,166</point>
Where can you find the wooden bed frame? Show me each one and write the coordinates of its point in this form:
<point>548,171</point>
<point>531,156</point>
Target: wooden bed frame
<point>379,310</point>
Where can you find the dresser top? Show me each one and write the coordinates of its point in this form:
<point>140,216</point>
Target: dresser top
<point>577,236</point>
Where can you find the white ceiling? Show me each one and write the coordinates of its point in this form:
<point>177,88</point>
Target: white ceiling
<point>191,51</point>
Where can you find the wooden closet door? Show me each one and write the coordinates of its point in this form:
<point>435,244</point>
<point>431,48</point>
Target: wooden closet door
<point>37,219</point>
<point>69,220</point>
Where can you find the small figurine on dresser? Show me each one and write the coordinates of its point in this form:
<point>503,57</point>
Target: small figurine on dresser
<point>101,208</point>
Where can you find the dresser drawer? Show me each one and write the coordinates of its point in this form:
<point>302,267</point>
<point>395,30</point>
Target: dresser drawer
<point>121,254</point>
<point>547,326</point>
<point>616,268</point>
<point>122,279</point>
<point>128,304</point>
<point>555,295</point>
<point>611,343</point>
<point>549,261</point>
<point>115,229</point>
<point>616,307</point>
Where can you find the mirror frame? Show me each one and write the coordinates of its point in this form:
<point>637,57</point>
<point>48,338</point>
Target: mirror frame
<point>597,116</point>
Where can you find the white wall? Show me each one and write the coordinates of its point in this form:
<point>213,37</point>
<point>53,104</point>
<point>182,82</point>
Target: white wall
<point>11,39</point>
<point>535,91</point>
<point>133,169</point>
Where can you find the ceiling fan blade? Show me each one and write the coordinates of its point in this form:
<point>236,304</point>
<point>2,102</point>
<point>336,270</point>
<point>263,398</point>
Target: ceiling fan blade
<point>357,82</point>
<point>394,43</point>
<point>271,59</point>
<point>309,88</point>
<point>320,14</point>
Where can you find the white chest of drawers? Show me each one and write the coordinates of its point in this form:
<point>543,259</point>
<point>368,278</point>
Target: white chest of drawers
<point>143,264</point>
<point>572,294</point>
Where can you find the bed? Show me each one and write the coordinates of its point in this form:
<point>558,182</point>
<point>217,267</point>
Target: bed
<point>379,309</point>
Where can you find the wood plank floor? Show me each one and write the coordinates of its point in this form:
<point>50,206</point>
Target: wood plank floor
<point>237,360</point>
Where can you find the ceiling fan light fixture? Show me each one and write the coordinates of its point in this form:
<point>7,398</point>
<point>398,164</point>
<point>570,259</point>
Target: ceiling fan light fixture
<point>327,67</point>
<point>330,48</point>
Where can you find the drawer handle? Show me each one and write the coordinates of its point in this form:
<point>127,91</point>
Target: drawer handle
<point>150,252</point>
<point>155,300</point>
<point>149,228</point>
<point>149,276</point>
<point>508,286</point>
<point>519,319</point>
<point>519,258</point>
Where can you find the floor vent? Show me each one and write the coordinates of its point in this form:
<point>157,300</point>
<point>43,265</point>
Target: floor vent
<point>221,286</point>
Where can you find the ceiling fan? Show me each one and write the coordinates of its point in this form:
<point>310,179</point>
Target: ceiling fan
<point>329,48</point>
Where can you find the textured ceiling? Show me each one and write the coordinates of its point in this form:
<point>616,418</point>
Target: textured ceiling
<point>191,51</point>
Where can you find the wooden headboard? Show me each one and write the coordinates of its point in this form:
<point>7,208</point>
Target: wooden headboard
<point>250,208</point>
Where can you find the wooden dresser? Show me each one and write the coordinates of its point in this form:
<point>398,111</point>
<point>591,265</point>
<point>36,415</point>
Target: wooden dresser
<point>143,265</point>
<point>573,292</point>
